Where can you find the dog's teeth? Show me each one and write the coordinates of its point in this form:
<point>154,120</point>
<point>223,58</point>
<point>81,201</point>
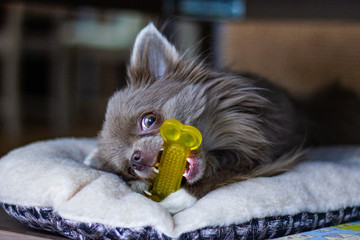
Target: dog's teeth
<point>147,193</point>
<point>188,160</point>
<point>155,169</point>
<point>162,149</point>
<point>157,164</point>
<point>185,174</point>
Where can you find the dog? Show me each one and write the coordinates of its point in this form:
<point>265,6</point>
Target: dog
<point>250,127</point>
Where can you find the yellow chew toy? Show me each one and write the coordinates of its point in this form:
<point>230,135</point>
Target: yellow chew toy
<point>179,141</point>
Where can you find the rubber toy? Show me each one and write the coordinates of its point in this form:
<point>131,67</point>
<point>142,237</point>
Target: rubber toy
<point>179,141</point>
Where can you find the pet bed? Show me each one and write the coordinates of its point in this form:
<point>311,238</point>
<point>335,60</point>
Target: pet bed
<point>45,185</point>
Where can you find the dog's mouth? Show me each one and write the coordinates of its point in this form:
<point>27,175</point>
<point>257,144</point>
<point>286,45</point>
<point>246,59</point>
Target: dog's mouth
<point>191,169</point>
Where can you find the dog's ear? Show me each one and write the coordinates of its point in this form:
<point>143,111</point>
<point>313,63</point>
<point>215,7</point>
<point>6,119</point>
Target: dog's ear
<point>151,57</point>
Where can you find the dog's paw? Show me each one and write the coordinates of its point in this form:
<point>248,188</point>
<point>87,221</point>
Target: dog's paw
<point>178,201</point>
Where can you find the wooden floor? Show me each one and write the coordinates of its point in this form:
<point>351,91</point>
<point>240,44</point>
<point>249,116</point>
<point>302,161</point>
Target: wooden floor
<point>10,229</point>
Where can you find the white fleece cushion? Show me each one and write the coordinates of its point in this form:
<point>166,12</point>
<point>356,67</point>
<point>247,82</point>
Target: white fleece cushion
<point>52,174</point>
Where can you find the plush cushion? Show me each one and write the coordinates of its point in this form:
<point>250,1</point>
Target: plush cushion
<point>47,186</point>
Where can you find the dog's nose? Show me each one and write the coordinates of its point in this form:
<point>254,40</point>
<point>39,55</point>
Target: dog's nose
<point>137,161</point>
<point>136,157</point>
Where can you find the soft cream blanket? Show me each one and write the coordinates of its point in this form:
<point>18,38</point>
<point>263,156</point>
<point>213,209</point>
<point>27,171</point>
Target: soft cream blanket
<point>52,174</point>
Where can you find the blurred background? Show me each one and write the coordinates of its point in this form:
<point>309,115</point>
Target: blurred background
<point>61,60</point>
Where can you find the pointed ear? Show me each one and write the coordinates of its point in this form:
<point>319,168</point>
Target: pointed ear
<point>152,53</point>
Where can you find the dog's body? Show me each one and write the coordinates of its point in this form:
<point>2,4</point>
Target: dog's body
<point>250,128</point>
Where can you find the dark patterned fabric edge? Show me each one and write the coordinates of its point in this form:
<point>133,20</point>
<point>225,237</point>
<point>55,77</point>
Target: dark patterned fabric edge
<point>273,227</point>
<point>45,218</point>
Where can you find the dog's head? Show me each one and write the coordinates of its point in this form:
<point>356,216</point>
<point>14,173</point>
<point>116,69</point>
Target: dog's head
<point>161,85</point>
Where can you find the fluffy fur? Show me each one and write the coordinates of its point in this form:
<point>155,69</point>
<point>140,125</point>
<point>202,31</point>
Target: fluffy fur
<point>250,127</point>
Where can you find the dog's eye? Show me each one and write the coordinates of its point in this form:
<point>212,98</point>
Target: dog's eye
<point>147,121</point>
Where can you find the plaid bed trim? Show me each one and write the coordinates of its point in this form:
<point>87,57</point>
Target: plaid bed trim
<point>45,218</point>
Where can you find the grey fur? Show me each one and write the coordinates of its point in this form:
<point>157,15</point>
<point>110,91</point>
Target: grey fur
<point>248,125</point>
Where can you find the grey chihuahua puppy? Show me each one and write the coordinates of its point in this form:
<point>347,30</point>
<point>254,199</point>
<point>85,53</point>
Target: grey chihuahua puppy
<point>250,128</point>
